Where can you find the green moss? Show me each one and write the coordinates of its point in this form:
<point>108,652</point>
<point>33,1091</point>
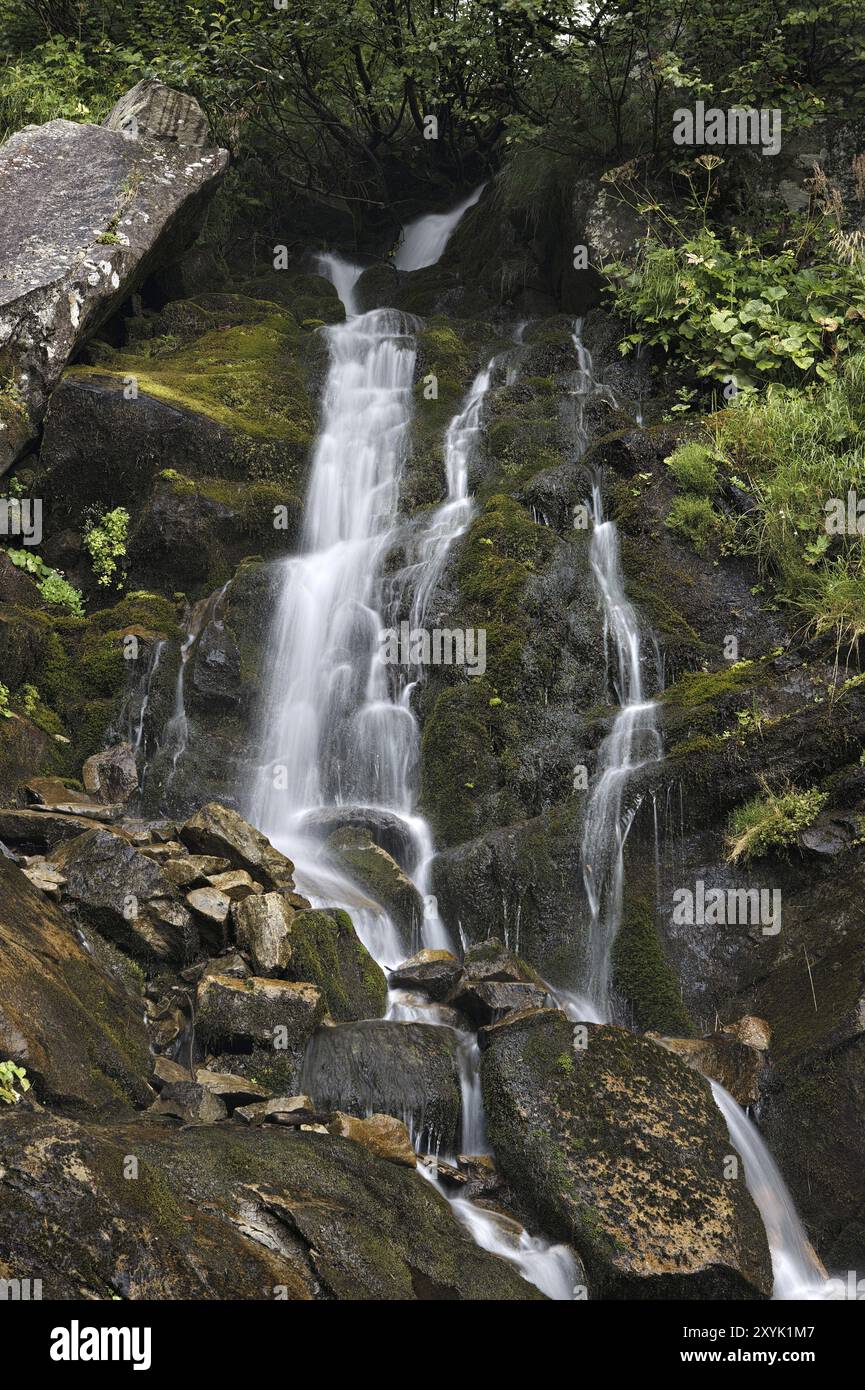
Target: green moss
<point>643,977</point>
<point>697,688</point>
<point>326,952</point>
<point>246,376</point>
<point>462,741</point>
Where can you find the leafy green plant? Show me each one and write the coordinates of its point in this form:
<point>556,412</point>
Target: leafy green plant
<point>28,700</point>
<point>52,586</point>
<point>5,711</point>
<point>13,1083</point>
<point>771,821</point>
<point>105,541</point>
<point>736,307</point>
<point>695,468</point>
<point>694,518</point>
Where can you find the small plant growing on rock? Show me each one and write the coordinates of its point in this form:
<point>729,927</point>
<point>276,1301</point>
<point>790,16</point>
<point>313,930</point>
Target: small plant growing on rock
<point>5,711</point>
<point>13,1083</point>
<point>52,586</point>
<point>105,541</point>
<point>694,518</point>
<point>694,468</point>
<point>771,821</point>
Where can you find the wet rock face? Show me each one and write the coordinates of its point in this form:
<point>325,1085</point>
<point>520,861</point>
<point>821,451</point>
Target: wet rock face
<point>77,1031</point>
<point>87,213</point>
<point>228,1212</point>
<point>381,876</point>
<point>408,1070</point>
<point>619,1148</point>
<point>126,895</point>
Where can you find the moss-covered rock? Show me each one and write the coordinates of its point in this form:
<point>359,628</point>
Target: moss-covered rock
<point>341,1222</point>
<point>326,950</point>
<point>642,977</point>
<point>381,876</point>
<point>76,1028</point>
<point>618,1147</point>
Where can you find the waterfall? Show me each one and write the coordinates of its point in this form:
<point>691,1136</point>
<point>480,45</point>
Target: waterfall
<point>423,241</point>
<point>798,1274</point>
<point>633,741</point>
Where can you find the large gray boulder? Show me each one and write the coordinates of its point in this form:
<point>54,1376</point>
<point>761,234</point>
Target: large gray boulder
<point>86,213</point>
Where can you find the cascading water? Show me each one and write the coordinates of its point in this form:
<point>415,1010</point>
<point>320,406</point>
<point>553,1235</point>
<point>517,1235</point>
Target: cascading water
<point>634,741</point>
<point>798,1274</point>
<point>423,241</point>
<point>336,729</point>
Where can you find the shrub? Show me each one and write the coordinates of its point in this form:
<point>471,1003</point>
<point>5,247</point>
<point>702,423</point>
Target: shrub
<point>695,469</point>
<point>694,518</point>
<point>771,821</point>
<point>5,711</point>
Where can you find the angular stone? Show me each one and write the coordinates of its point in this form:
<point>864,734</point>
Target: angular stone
<point>236,884</point>
<point>738,1066</point>
<point>193,870</point>
<point>44,829</point>
<point>191,1102</point>
<point>252,1011</point>
<point>491,961</point>
<point>111,776</point>
<point>210,904</point>
<point>86,214</point>
<point>232,1090</point>
<point>383,1135</point>
<point>125,895</point>
<point>217,830</point>
<point>434,972</point>
<point>486,1001</point>
<point>263,928</point>
<point>152,111</point>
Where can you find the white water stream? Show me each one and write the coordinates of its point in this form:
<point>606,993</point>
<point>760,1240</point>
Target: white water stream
<point>338,728</point>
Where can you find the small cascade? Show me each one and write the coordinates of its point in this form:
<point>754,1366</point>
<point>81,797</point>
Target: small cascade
<point>797,1271</point>
<point>633,741</point>
<point>423,241</point>
<point>137,736</point>
<point>551,1268</point>
<point>454,516</point>
<point>175,736</point>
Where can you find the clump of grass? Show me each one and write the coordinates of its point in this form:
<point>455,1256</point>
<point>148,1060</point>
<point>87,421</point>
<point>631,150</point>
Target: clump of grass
<point>771,820</point>
<point>695,519</point>
<point>695,468</point>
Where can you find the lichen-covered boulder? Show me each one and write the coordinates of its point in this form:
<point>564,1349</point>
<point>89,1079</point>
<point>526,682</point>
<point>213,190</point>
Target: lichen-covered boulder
<point>228,1212</point>
<point>619,1148</point>
<point>73,1024</point>
<point>86,213</point>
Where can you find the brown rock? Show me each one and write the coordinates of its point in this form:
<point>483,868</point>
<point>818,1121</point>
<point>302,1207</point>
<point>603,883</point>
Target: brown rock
<point>383,1135</point>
